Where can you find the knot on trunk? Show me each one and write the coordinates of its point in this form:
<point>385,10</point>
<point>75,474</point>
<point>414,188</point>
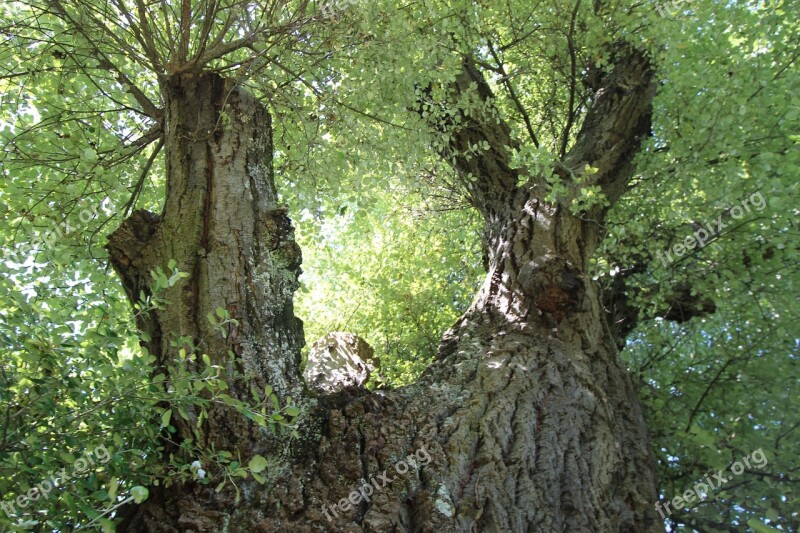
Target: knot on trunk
<point>553,284</point>
<point>339,361</point>
<point>135,230</point>
<point>280,235</point>
<point>127,246</point>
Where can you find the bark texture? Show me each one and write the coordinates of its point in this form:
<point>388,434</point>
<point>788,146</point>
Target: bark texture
<point>339,361</point>
<point>222,224</point>
<point>528,418</point>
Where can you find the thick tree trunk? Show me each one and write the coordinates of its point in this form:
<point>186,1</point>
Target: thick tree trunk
<point>222,224</point>
<point>526,422</point>
<point>559,426</point>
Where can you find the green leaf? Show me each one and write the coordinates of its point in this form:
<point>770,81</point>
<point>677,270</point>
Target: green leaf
<point>759,527</point>
<point>113,485</point>
<point>257,464</point>
<point>139,494</point>
<point>165,418</point>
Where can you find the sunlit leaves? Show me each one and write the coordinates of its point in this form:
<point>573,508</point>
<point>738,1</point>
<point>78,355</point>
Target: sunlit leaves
<point>365,184</point>
<point>398,285</point>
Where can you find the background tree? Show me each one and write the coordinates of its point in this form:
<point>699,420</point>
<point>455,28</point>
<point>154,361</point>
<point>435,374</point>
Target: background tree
<point>530,418</point>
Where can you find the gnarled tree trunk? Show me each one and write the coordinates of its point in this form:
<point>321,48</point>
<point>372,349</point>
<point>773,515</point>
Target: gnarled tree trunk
<point>526,422</point>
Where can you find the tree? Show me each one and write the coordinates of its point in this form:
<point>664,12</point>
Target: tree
<point>527,418</point>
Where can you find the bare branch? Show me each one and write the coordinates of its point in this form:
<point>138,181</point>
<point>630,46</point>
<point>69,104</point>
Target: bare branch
<point>149,46</point>
<point>185,32</point>
<point>506,81</point>
<point>573,75</point>
<point>148,107</point>
<point>140,183</point>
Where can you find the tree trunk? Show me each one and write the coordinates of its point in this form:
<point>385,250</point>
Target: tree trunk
<point>526,422</point>
<point>222,224</point>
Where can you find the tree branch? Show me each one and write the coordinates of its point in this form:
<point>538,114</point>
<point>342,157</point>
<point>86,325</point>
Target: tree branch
<point>479,141</point>
<point>616,122</point>
<point>140,184</point>
<point>148,107</point>
<point>573,70</point>
<point>513,94</point>
<point>146,36</point>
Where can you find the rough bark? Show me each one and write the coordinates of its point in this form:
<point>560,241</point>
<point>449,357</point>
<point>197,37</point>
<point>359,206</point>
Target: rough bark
<point>221,223</point>
<point>339,361</point>
<point>530,420</point>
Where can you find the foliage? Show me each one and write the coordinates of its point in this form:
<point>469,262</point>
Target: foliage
<point>74,381</point>
<point>399,285</point>
<point>386,256</point>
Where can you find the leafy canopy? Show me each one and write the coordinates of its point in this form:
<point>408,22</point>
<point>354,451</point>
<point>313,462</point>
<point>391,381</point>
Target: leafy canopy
<point>392,251</point>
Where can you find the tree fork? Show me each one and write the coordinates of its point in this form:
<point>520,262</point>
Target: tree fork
<point>530,420</point>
